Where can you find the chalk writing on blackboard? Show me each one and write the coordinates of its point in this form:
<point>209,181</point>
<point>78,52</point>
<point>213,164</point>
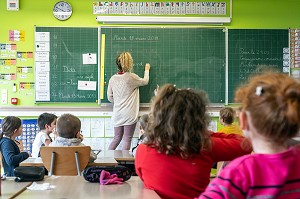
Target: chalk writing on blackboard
<point>253,52</point>
<point>68,66</point>
<point>186,57</point>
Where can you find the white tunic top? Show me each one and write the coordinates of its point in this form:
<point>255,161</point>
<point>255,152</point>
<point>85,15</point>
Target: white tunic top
<point>39,140</point>
<point>123,92</point>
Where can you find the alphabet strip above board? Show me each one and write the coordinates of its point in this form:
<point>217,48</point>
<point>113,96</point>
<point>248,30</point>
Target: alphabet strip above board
<point>160,8</point>
<point>216,60</point>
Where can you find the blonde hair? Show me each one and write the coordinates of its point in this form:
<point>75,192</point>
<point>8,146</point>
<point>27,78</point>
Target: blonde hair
<point>273,103</point>
<point>124,62</point>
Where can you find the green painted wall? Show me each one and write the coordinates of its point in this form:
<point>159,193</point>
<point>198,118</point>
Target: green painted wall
<point>246,14</point>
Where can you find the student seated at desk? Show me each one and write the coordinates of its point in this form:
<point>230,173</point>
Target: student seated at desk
<point>143,122</point>
<point>47,123</point>
<point>270,117</point>
<point>68,128</point>
<point>11,155</point>
<point>227,116</point>
<point>177,156</point>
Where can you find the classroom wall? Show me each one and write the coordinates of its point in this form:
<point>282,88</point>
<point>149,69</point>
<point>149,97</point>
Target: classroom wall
<point>246,14</point>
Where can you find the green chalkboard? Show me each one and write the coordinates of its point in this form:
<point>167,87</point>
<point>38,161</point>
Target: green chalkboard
<point>72,76</point>
<point>253,51</point>
<point>186,57</point>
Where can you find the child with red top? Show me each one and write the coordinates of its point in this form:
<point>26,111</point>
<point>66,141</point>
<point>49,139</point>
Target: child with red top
<point>270,117</point>
<point>176,158</point>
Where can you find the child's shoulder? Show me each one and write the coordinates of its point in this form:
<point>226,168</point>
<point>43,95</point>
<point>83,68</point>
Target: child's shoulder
<point>261,160</point>
<point>38,133</point>
<point>6,142</point>
<point>5,139</point>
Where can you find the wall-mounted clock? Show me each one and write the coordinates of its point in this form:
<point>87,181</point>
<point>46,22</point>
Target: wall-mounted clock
<point>62,10</point>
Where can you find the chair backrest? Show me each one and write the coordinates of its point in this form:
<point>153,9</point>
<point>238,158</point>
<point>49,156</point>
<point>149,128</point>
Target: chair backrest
<point>65,160</point>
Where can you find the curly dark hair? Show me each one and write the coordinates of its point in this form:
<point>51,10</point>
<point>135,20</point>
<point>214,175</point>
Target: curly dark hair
<point>178,122</point>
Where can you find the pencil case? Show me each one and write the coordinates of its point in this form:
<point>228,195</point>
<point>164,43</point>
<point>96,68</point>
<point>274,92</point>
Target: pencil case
<point>92,173</point>
<point>29,173</point>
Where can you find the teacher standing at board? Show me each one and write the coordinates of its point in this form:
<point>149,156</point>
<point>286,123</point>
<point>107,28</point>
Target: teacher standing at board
<point>123,92</point>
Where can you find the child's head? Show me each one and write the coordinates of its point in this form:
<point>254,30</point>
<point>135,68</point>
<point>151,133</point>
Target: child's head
<point>124,62</point>
<point>270,106</point>
<point>68,126</point>
<point>47,121</point>
<point>227,116</point>
<point>11,125</point>
<point>179,121</point>
<point>143,121</point>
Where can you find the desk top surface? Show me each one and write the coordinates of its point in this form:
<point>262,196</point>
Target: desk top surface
<point>104,158</point>
<point>119,155</point>
<point>77,187</point>
<point>100,161</point>
<point>10,188</point>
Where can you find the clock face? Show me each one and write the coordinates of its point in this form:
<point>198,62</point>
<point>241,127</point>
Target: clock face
<point>62,10</point>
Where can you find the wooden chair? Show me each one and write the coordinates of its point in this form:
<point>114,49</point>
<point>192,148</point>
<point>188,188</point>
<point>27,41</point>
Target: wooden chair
<point>65,160</point>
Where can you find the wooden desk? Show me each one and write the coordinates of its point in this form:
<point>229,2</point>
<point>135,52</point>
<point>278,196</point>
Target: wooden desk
<point>103,161</point>
<point>119,155</point>
<point>76,187</point>
<point>32,162</point>
<point>11,189</point>
<point>100,161</point>
<point>104,158</point>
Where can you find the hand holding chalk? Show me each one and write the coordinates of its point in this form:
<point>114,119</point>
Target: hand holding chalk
<point>147,66</point>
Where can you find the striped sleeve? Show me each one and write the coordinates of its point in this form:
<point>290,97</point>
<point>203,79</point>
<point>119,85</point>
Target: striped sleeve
<point>226,185</point>
<point>258,176</point>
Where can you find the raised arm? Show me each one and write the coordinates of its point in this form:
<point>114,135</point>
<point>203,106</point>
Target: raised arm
<point>227,147</point>
<point>138,81</point>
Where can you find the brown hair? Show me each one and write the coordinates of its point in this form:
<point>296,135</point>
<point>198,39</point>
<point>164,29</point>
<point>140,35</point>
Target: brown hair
<point>273,102</point>
<point>68,126</point>
<point>45,118</point>
<point>144,121</point>
<point>178,121</point>
<point>9,125</point>
<point>124,62</point>
<point>227,114</point>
